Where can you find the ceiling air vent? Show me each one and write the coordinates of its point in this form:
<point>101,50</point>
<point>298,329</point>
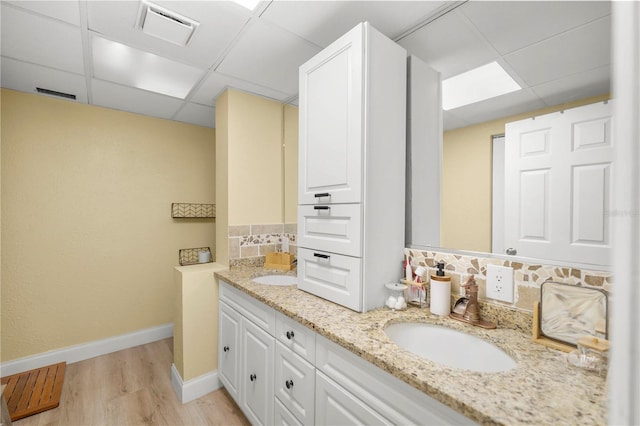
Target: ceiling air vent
<point>164,24</point>
<point>54,93</point>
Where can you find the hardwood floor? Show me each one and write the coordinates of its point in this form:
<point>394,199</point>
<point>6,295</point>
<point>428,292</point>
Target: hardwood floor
<point>133,387</point>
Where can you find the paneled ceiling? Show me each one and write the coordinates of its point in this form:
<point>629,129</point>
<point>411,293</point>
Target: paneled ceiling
<point>557,51</point>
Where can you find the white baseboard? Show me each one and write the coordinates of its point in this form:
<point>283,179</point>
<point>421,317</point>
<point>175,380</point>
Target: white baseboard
<point>84,351</point>
<point>194,388</point>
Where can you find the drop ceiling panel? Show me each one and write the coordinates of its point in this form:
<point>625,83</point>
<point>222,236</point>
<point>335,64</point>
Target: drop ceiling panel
<point>451,121</point>
<point>512,25</point>
<point>268,56</point>
<point>587,47</point>
<point>128,99</point>
<point>449,46</point>
<point>576,86</point>
<point>25,77</point>
<point>200,115</point>
<point>322,22</point>
<point>67,10</point>
<point>33,38</point>
<point>216,83</point>
<point>501,106</point>
<point>220,23</point>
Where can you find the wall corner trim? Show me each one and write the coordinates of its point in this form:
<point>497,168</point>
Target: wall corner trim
<point>88,350</point>
<point>194,388</point>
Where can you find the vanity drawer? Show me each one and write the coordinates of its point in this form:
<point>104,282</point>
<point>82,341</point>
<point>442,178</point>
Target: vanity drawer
<point>331,276</point>
<point>257,312</point>
<point>295,384</point>
<point>331,227</point>
<point>282,416</point>
<point>296,337</point>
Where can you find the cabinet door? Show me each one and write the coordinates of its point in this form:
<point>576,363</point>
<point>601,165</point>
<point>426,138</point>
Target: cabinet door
<point>336,406</point>
<point>331,111</point>
<point>295,384</point>
<point>229,349</point>
<point>256,378</point>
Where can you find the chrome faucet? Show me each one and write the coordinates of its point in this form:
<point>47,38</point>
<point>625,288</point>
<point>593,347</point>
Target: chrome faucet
<point>466,309</point>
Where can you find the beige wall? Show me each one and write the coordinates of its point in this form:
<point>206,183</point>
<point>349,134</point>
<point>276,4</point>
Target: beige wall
<point>290,164</point>
<point>88,242</point>
<point>222,179</point>
<point>466,180</point>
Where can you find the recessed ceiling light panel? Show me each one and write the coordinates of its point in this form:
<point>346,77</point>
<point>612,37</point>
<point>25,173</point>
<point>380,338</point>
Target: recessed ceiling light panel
<point>478,84</point>
<point>164,24</point>
<point>125,65</point>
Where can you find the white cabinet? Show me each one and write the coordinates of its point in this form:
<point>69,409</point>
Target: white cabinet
<point>284,373</point>
<point>229,349</point>
<point>345,383</point>
<point>336,406</point>
<point>256,389</point>
<point>246,351</point>
<point>352,162</point>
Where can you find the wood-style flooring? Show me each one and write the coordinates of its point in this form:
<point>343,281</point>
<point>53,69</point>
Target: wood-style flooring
<point>133,387</point>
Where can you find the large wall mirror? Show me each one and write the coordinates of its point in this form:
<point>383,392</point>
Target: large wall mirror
<point>567,67</point>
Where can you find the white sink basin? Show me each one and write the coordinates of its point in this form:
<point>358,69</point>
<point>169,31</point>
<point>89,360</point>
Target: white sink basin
<point>450,347</point>
<point>283,280</point>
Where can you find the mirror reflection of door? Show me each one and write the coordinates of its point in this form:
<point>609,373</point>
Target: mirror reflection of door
<point>557,185</point>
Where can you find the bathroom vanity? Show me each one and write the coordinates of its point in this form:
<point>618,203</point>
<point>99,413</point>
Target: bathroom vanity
<point>309,361</point>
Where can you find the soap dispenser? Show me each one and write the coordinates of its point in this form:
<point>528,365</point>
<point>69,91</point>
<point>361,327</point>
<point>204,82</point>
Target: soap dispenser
<point>440,292</point>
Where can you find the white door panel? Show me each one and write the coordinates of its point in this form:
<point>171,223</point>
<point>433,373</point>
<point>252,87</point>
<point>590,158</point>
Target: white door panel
<point>557,180</point>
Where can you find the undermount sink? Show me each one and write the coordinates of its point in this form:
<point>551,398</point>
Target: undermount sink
<point>450,347</point>
<point>281,280</point>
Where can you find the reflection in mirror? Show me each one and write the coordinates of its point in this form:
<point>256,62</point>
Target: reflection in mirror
<point>559,66</point>
<point>467,186</point>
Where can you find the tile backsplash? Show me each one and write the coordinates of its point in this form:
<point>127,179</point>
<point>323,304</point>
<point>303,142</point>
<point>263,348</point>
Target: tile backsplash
<point>249,244</point>
<point>527,276</point>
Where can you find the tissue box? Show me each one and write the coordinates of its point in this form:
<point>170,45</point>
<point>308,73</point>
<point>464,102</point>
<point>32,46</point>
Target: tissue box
<point>280,261</point>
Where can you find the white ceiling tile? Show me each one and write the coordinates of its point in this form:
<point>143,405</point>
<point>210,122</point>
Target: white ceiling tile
<point>216,83</point>
<point>33,38</point>
<point>200,115</point>
<point>500,106</point>
<point>269,56</point>
<point>574,87</point>
<point>322,22</point>
<point>125,98</point>
<point>66,10</point>
<point>220,22</point>
<point>512,25</point>
<point>587,47</point>
<point>448,45</point>
<point>452,121</point>
<point>25,77</point>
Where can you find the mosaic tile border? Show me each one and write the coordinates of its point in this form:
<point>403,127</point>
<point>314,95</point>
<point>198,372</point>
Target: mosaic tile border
<point>255,241</point>
<point>527,276</point>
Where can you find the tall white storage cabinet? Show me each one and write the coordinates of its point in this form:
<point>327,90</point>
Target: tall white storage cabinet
<point>351,196</point>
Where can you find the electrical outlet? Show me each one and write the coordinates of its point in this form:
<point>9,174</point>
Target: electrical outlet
<point>500,283</point>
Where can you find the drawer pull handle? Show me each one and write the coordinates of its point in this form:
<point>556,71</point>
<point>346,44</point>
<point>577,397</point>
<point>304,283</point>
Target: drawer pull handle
<point>289,384</point>
<point>322,256</point>
<point>290,334</point>
<point>252,377</point>
<point>226,349</point>
<point>322,194</point>
<point>321,207</point>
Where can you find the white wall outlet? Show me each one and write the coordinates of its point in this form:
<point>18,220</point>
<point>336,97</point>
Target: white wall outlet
<point>500,283</point>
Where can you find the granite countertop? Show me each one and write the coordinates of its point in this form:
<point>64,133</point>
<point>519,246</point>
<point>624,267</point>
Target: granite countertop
<point>543,389</point>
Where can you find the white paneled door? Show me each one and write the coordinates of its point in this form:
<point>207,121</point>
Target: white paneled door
<point>558,185</point>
